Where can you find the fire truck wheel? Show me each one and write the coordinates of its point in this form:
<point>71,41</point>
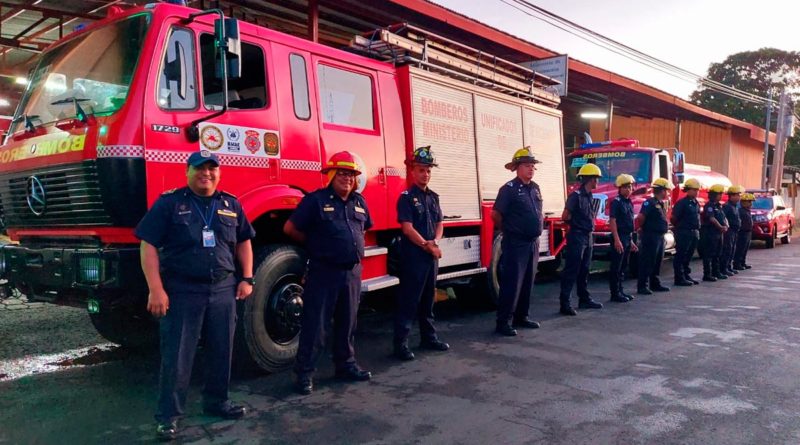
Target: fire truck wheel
<point>269,320</point>
<point>494,271</point>
<point>127,327</point>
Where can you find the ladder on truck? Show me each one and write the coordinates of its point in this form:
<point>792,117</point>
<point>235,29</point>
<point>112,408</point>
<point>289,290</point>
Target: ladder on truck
<point>404,44</point>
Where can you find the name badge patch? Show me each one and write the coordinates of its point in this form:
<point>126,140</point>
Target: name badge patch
<point>226,213</point>
<point>360,210</point>
<point>328,209</point>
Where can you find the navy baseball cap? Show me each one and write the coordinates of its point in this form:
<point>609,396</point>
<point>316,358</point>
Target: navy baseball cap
<point>199,158</point>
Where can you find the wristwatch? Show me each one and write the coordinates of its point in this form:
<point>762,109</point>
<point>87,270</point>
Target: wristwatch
<point>435,242</point>
<point>251,281</point>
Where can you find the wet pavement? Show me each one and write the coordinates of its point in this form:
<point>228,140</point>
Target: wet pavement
<point>713,364</point>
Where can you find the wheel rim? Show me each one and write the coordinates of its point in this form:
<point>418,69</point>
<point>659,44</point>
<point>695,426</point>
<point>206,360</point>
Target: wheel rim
<point>284,311</point>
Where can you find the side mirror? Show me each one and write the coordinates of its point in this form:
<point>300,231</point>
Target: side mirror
<point>780,208</point>
<point>226,33</point>
<point>678,161</point>
<point>174,70</point>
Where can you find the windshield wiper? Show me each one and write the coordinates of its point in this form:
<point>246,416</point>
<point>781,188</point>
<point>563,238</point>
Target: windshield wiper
<point>28,121</point>
<point>79,111</point>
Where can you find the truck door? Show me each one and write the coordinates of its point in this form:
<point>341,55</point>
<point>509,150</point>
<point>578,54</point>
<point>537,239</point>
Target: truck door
<point>185,88</point>
<point>349,119</point>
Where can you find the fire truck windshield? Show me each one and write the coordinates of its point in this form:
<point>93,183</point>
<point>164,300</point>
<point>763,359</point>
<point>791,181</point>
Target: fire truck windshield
<point>613,163</point>
<point>763,203</point>
<point>94,69</point>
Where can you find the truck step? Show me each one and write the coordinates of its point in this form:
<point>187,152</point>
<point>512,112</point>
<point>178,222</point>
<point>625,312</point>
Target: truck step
<point>377,283</point>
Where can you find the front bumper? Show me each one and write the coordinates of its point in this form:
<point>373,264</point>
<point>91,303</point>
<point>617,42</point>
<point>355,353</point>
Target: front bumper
<point>71,276</point>
<point>762,231</point>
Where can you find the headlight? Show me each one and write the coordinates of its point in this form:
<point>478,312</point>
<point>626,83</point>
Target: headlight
<point>760,218</point>
<point>2,262</point>
<point>90,270</point>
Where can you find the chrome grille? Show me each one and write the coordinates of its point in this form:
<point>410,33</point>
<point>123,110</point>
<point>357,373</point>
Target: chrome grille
<point>72,197</point>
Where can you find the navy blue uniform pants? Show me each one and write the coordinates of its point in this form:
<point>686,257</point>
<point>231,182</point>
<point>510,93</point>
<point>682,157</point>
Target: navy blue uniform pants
<point>685,245</point>
<point>330,303</point>
<point>619,264</point>
<point>651,255</point>
<point>415,297</point>
<point>728,248</point>
<point>742,245</point>
<point>518,263</point>
<point>711,242</point>
<point>577,260</point>
<point>214,314</point>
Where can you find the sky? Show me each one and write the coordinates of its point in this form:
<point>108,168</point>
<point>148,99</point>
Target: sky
<point>691,34</point>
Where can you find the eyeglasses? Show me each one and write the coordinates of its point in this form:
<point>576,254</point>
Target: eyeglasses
<point>346,173</point>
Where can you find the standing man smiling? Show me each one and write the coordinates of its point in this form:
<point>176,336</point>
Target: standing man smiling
<point>192,239</point>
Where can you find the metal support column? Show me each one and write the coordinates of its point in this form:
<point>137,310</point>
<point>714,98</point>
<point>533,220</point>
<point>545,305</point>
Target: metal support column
<point>609,118</point>
<point>766,142</point>
<point>313,20</point>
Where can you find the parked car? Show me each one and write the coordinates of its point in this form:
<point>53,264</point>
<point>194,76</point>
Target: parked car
<point>772,219</point>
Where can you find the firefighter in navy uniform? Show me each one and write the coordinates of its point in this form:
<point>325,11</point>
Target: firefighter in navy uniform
<point>518,213</point>
<point>621,225</point>
<point>686,220</point>
<point>731,209</point>
<point>330,222</point>
<point>420,218</point>
<point>579,214</point>
<point>745,233</point>
<point>192,239</point>
<point>654,224</point>
<point>712,226</point>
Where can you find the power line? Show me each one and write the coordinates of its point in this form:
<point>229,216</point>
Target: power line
<point>628,52</point>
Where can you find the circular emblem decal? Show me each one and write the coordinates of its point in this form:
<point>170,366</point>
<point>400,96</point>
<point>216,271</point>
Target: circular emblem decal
<point>211,138</point>
<point>34,191</point>
<point>252,141</point>
<point>361,180</point>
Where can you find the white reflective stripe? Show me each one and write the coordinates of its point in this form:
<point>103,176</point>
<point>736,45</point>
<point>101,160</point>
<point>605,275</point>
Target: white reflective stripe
<point>120,151</point>
<point>180,157</point>
<point>299,164</point>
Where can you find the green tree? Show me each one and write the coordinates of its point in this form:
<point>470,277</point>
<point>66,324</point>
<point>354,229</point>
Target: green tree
<point>755,72</point>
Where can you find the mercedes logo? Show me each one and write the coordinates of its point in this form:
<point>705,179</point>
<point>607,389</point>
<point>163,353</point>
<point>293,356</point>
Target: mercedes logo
<point>35,194</point>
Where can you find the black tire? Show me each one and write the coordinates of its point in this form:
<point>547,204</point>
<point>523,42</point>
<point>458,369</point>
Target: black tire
<point>771,240</point>
<point>269,320</point>
<point>126,326</point>
<point>493,274</point>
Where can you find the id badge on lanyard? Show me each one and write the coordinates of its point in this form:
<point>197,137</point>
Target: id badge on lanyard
<point>209,240</point>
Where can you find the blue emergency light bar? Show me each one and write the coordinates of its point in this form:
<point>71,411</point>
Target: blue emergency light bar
<point>617,143</point>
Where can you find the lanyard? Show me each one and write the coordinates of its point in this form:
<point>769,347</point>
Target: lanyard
<point>206,216</point>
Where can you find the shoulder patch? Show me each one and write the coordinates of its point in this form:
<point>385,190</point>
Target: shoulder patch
<point>168,192</point>
<point>646,203</point>
<point>510,183</point>
<point>404,192</point>
<point>228,194</point>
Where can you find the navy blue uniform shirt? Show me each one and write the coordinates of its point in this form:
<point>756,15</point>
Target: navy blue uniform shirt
<point>732,215</point>
<point>622,212</point>
<point>334,228</point>
<point>655,216</point>
<point>579,204</point>
<point>521,207</point>
<point>686,214</point>
<point>175,225</point>
<point>713,210</point>
<point>421,209</point>
<point>746,218</point>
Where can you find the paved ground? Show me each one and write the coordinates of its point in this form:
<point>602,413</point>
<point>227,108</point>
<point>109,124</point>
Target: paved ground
<point>716,364</point>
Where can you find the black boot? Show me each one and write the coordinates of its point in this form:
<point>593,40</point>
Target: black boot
<point>433,344</point>
<point>644,291</point>
<point>683,282</point>
<point>402,352</point>
<point>505,329</point>
<point>567,310</point>
<point>588,303</point>
<point>709,278</point>
<point>691,280</point>
<point>617,298</point>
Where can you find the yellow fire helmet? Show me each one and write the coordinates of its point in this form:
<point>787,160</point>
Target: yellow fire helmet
<point>624,179</point>
<point>521,156</point>
<point>734,189</point>
<point>748,197</point>
<point>662,183</point>
<point>589,170</point>
<point>717,188</point>
<point>691,184</point>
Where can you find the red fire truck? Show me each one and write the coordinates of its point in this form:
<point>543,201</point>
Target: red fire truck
<point>112,112</point>
<point>645,165</point>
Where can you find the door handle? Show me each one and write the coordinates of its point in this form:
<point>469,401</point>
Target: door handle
<point>382,175</point>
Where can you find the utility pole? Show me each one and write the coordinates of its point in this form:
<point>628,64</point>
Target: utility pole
<point>766,142</point>
<point>782,132</point>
